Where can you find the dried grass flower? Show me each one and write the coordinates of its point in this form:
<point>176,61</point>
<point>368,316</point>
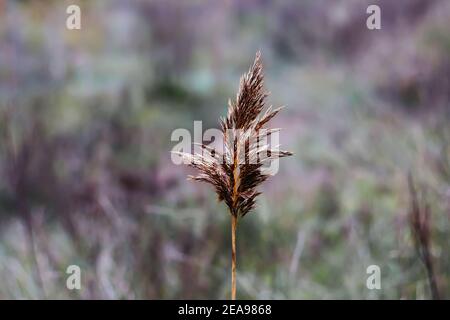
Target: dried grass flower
<point>238,170</point>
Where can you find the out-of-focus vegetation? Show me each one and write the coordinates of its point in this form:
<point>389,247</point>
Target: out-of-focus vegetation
<point>85,171</point>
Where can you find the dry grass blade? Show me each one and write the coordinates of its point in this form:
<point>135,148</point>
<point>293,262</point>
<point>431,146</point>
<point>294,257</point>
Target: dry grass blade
<point>420,225</point>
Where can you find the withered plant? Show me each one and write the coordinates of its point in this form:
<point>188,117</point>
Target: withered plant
<point>240,167</point>
<point>420,225</point>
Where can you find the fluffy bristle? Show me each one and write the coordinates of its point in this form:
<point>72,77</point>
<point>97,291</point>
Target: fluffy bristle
<point>237,172</point>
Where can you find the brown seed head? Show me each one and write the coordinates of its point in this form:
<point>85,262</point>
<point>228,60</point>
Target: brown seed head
<point>236,173</point>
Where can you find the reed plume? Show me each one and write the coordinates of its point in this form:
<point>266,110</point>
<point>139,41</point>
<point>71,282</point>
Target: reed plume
<point>238,169</point>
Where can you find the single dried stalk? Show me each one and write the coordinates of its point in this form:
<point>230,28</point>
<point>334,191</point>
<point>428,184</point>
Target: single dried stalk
<point>236,172</point>
<point>233,256</point>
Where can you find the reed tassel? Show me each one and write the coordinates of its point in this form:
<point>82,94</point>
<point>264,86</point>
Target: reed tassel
<point>238,170</point>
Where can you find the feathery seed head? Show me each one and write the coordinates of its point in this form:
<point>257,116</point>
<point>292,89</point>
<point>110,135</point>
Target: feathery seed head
<point>237,172</point>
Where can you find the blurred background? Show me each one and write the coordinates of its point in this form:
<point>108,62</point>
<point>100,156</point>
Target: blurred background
<point>86,177</point>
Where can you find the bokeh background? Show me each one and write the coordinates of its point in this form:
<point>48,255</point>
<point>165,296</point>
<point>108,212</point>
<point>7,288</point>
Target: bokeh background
<point>85,172</point>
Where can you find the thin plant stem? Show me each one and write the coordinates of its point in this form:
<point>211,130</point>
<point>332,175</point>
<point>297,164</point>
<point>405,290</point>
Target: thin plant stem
<point>431,276</point>
<point>233,256</point>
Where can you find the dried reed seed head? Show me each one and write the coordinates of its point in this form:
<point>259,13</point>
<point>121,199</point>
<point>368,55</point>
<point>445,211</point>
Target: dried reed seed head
<point>237,173</point>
